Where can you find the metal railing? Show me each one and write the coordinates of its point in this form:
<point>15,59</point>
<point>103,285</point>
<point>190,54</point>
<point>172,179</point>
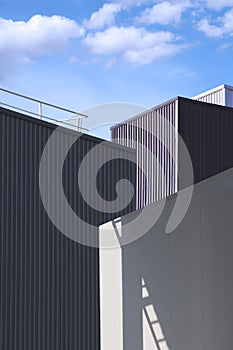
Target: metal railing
<point>74,121</point>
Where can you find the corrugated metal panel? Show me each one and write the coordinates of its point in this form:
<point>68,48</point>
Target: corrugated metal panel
<point>229,96</point>
<point>221,95</point>
<point>49,284</point>
<point>153,135</point>
<point>207,132</point>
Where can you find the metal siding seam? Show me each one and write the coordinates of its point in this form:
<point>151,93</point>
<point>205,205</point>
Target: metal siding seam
<point>160,154</point>
<point>2,143</point>
<point>6,287</point>
<point>66,262</point>
<point>16,243</point>
<point>137,176</point>
<point>167,152</point>
<point>11,243</point>
<point>163,150</point>
<point>147,161</point>
<point>170,153</point>
<point>173,151</point>
<point>153,157</point>
<point>176,143</point>
<point>21,313</point>
<point>150,158</point>
<point>157,155</point>
<point>140,153</point>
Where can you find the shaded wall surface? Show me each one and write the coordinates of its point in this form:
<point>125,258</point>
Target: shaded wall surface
<point>177,288</point>
<point>49,284</point>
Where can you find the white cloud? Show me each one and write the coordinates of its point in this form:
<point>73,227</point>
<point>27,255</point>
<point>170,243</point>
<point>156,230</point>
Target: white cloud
<point>22,42</point>
<point>82,62</point>
<point>224,46</point>
<point>218,4</point>
<point>224,27</point>
<point>104,16</point>
<point>227,21</point>
<point>135,3</point>
<point>136,45</point>
<point>147,56</point>
<point>164,13</point>
<point>210,30</point>
<point>110,63</point>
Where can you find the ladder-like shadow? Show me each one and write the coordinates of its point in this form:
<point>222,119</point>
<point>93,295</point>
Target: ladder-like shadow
<point>152,319</point>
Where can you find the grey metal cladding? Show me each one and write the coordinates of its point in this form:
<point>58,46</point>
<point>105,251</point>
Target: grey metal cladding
<point>207,132</point>
<point>156,150</point>
<point>49,284</point>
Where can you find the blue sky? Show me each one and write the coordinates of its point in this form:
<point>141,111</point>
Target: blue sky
<point>80,54</point>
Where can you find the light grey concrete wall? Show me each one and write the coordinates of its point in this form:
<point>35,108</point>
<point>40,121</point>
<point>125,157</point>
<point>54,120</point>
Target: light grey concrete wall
<point>178,288</point>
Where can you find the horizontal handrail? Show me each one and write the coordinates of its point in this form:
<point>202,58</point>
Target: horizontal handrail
<point>75,115</point>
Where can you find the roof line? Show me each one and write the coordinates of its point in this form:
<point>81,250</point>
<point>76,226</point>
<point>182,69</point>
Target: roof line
<point>215,89</point>
<point>146,111</point>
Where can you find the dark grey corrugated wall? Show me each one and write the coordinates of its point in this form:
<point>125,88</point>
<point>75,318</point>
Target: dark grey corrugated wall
<point>49,285</point>
<point>207,132</point>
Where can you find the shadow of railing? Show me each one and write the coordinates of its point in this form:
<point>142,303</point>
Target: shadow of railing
<point>149,313</point>
<point>152,319</point>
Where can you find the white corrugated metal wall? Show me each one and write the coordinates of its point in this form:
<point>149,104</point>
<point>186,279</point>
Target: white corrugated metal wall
<point>216,97</point>
<point>154,135</point>
<point>221,95</point>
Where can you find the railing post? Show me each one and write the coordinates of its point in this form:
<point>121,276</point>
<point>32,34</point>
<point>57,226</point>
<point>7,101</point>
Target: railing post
<point>40,110</point>
<point>77,123</point>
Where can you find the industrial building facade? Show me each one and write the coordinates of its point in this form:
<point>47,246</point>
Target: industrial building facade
<point>57,293</point>
<point>161,137</point>
<point>49,284</point>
